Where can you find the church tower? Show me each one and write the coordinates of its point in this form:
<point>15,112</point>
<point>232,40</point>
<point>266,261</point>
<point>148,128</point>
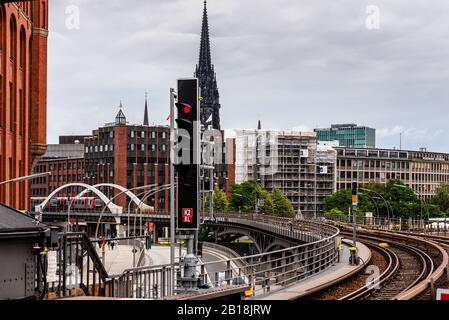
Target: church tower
<point>210,105</point>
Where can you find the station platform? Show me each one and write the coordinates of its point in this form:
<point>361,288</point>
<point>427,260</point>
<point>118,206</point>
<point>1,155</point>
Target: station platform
<point>333,275</point>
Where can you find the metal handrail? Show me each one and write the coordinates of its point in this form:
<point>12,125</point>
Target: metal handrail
<point>286,265</point>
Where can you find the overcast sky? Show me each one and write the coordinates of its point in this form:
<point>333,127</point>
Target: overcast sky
<point>295,64</point>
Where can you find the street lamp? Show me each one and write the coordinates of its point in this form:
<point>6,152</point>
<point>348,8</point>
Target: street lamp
<point>372,200</point>
<point>387,204</point>
<point>23,178</point>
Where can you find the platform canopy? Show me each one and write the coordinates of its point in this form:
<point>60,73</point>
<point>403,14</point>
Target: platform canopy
<point>13,221</point>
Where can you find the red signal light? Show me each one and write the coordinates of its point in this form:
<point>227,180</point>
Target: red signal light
<point>186,109</point>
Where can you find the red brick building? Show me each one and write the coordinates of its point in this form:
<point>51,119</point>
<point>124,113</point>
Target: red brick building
<point>66,164</point>
<point>130,156</point>
<point>23,87</point>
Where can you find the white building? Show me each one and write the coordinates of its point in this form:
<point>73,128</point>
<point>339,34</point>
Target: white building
<point>291,161</point>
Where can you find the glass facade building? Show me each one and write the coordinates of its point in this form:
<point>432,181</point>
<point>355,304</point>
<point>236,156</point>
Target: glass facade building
<point>348,135</point>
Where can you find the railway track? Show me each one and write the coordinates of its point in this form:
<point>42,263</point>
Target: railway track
<point>433,254</point>
<point>414,265</point>
<point>407,266</point>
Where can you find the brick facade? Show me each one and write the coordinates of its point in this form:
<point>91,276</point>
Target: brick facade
<point>130,156</point>
<point>23,81</point>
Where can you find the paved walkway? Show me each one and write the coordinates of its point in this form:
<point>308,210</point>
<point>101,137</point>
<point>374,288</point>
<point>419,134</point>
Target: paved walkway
<point>119,259</point>
<point>341,270</point>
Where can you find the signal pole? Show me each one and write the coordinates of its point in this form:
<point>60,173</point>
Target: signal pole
<point>187,162</point>
<point>353,258</point>
<point>173,96</point>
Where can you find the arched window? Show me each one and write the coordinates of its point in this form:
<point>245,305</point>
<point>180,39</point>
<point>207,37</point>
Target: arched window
<point>43,16</point>
<point>12,39</point>
<point>1,28</point>
<point>22,47</point>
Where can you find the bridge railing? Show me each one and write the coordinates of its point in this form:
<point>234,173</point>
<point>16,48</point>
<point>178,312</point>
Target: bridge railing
<point>399,224</point>
<point>79,269</point>
<point>264,272</point>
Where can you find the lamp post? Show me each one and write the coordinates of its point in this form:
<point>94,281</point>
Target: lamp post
<point>387,204</point>
<point>372,200</point>
<point>24,178</point>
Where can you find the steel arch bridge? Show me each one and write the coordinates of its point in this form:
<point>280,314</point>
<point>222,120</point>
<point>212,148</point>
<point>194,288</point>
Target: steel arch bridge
<point>115,209</point>
<point>140,204</point>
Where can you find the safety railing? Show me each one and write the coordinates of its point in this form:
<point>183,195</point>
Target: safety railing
<point>398,224</point>
<point>264,272</point>
<point>79,269</point>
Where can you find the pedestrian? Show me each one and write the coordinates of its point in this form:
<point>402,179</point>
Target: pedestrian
<point>112,244</point>
<point>290,222</point>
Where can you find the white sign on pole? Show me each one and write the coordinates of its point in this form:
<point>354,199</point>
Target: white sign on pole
<point>304,153</point>
<point>52,266</point>
<point>323,169</point>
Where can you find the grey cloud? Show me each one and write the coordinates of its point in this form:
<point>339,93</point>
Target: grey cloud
<point>292,63</point>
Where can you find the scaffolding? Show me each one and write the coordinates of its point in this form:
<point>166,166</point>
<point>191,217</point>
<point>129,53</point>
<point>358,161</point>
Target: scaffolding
<point>291,161</point>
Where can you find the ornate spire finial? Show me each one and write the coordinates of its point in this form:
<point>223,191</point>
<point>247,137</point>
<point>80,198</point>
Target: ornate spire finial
<point>205,58</point>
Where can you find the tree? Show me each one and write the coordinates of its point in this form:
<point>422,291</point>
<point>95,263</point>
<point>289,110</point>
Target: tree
<point>243,196</point>
<point>397,191</point>
<point>376,187</point>
<point>268,205</point>
<point>282,206</point>
<point>336,213</point>
<point>441,198</point>
<point>221,202</point>
<point>342,200</point>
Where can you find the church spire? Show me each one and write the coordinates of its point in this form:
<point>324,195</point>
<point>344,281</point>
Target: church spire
<point>210,104</point>
<point>205,57</point>
<point>259,126</point>
<point>145,115</point>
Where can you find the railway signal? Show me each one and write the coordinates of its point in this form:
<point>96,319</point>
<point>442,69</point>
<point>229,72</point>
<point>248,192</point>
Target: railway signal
<point>187,158</point>
<point>353,257</point>
<point>186,162</point>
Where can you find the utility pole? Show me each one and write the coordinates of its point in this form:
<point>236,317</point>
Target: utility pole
<point>173,97</point>
<point>353,258</point>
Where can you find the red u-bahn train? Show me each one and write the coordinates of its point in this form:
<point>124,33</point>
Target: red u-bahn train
<point>61,203</point>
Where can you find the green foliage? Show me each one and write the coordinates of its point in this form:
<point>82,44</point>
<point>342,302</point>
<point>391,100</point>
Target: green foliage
<point>335,213</point>
<point>400,201</point>
<point>245,195</point>
<point>342,200</point>
<point>221,202</point>
<point>441,198</point>
<point>397,191</point>
<point>282,206</point>
<point>203,234</point>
